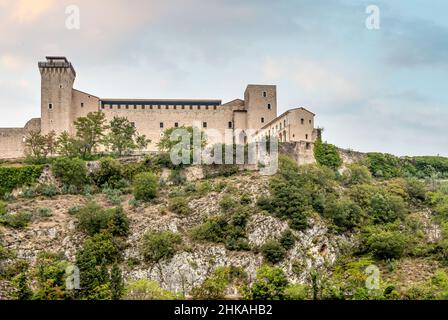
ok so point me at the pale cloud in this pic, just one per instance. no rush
(10, 62)
(26, 11)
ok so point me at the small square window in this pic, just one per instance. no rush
(302, 121)
(119, 107)
(269, 106)
(214, 108)
(82, 104)
(204, 124)
(310, 121)
(183, 107)
(167, 107)
(102, 107)
(175, 107)
(306, 136)
(206, 108)
(262, 120)
(230, 125)
(265, 94)
(159, 107)
(127, 106)
(111, 106)
(191, 107)
(176, 125)
(135, 107)
(161, 125)
(50, 106)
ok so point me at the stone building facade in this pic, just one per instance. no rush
(247, 119)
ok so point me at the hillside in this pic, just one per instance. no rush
(307, 232)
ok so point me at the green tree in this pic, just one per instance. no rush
(270, 284)
(68, 146)
(70, 171)
(39, 147)
(327, 155)
(123, 137)
(159, 245)
(22, 289)
(90, 132)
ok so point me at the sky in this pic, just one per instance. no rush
(371, 89)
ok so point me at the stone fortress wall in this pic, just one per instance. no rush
(248, 119)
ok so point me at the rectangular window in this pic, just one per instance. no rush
(302, 121)
(230, 124)
(214, 107)
(102, 106)
(50, 106)
(82, 104)
(204, 124)
(127, 106)
(161, 125)
(135, 107)
(306, 136)
(183, 107)
(262, 120)
(159, 107)
(176, 124)
(265, 94)
(119, 107)
(269, 106)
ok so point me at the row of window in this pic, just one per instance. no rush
(204, 125)
(159, 107)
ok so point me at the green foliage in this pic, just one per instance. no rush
(296, 292)
(385, 208)
(270, 284)
(47, 190)
(50, 276)
(94, 219)
(356, 174)
(145, 186)
(3, 208)
(122, 137)
(214, 287)
(15, 177)
(90, 132)
(345, 214)
(160, 245)
(43, 212)
(416, 189)
(228, 228)
(92, 260)
(180, 206)
(327, 155)
(70, 171)
(287, 239)
(38, 146)
(116, 282)
(383, 165)
(18, 220)
(145, 289)
(110, 173)
(22, 290)
(113, 196)
(273, 251)
(386, 242)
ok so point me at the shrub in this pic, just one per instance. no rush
(70, 171)
(227, 203)
(15, 177)
(416, 189)
(383, 165)
(145, 289)
(180, 206)
(47, 190)
(93, 219)
(18, 220)
(345, 214)
(3, 208)
(110, 172)
(296, 292)
(287, 239)
(327, 155)
(386, 244)
(29, 192)
(245, 199)
(176, 177)
(386, 208)
(356, 174)
(160, 245)
(44, 212)
(113, 196)
(213, 230)
(145, 186)
(214, 287)
(270, 284)
(273, 251)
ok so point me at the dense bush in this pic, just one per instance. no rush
(70, 171)
(145, 289)
(386, 242)
(94, 219)
(18, 220)
(270, 284)
(327, 155)
(180, 206)
(385, 208)
(160, 245)
(47, 190)
(287, 239)
(3, 208)
(110, 173)
(273, 251)
(214, 287)
(356, 174)
(15, 177)
(345, 214)
(145, 186)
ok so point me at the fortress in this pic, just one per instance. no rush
(249, 118)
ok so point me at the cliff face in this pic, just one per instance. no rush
(315, 247)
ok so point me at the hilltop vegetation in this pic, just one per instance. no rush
(151, 230)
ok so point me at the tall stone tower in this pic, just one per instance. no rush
(57, 78)
(261, 105)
